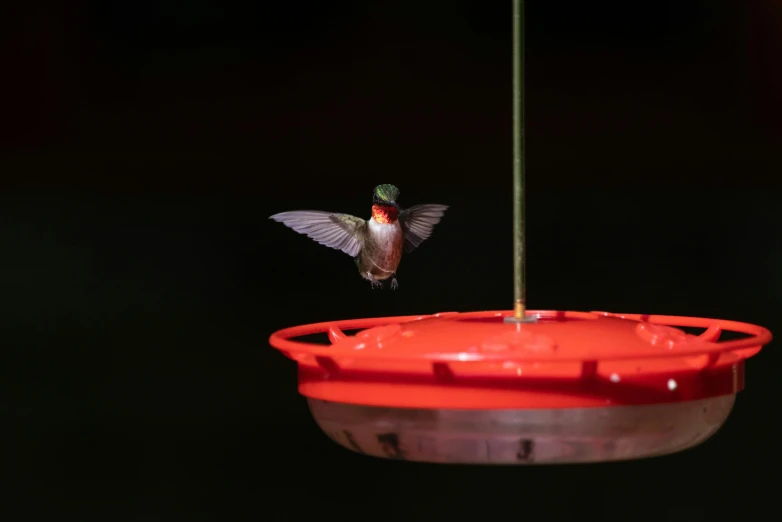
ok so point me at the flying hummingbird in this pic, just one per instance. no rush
(377, 244)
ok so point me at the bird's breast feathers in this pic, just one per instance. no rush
(385, 233)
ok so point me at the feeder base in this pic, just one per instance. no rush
(531, 436)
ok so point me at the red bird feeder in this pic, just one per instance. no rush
(569, 387)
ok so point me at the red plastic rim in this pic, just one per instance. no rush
(564, 360)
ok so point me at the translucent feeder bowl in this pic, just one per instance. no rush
(569, 387)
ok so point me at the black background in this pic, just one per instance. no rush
(145, 144)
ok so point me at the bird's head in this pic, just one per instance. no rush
(385, 195)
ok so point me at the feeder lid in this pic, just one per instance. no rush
(561, 359)
(553, 337)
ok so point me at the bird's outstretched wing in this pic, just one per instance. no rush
(340, 231)
(418, 222)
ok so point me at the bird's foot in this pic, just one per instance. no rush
(394, 284)
(374, 283)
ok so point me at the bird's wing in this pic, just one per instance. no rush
(340, 231)
(418, 222)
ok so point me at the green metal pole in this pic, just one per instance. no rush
(519, 261)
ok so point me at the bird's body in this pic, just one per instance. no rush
(382, 251)
(376, 244)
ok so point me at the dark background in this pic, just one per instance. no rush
(145, 144)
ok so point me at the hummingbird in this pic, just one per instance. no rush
(376, 245)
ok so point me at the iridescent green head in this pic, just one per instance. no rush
(385, 195)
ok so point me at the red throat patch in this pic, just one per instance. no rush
(384, 213)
